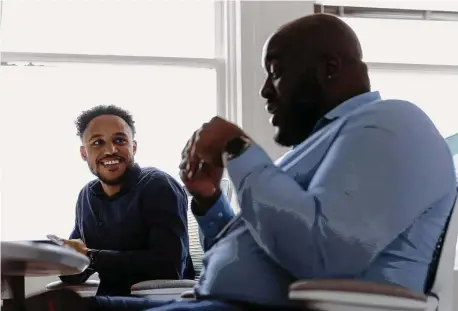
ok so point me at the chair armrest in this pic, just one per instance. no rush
(342, 294)
(189, 294)
(159, 284)
(88, 285)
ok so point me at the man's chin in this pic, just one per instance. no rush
(281, 138)
(112, 181)
(289, 138)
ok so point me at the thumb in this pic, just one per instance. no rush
(70, 242)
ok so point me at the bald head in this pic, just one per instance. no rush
(313, 64)
(322, 34)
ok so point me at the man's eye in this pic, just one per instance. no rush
(120, 140)
(274, 72)
(98, 142)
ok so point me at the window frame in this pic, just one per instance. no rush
(223, 61)
(392, 13)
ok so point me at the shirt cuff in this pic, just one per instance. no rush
(252, 159)
(216, 217)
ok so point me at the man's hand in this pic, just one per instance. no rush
(204, 187)
(201, 168)
(77, 245)
(205, 184)
(207, 145)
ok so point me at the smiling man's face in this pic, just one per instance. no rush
(108, 148)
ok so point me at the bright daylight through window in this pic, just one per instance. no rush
(44, 172)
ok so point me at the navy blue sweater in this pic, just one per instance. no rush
(141, 231)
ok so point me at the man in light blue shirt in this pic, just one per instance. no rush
(364, 192)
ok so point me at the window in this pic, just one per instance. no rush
(183, 28)
(434, 92)
(384, 40)
(156, 59)
(439, 5)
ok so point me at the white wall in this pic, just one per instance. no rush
(258, 20)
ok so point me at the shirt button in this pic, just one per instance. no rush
(220, 214)
(100, 224)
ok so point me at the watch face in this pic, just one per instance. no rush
(235, 147)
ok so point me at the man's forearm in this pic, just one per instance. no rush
(214, 220)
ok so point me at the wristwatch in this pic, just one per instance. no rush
(235, 147)
(92, 254)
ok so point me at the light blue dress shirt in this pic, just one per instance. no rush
(365, 197)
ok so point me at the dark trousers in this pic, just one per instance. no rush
(103, 303)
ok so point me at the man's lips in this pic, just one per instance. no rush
(111, 162)
(274, 111)
(271, 108)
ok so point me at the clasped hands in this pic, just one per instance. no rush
(202, 166)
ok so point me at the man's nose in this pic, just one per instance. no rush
(267, 91)
(111, 148)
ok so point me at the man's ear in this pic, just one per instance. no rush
(333, 66)
(83, 153)
(329, 68)
(134, 145)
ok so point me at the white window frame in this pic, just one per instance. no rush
(226, 61)
(391, 13)
(225, 12)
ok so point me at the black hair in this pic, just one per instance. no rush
(88, 115)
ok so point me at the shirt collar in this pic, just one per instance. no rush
(352, 104)
(346, 107)
(131, 180)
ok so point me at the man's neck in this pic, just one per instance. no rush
(343, 97)
(110, 190)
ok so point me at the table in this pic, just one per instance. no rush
(34, 258)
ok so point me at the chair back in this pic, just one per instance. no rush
(195, 248)
(442, 282)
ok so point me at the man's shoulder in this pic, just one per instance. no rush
(391, 114)
(152, 176)
(155, 182)
(388, 107)
(85, 192)
(87, 187)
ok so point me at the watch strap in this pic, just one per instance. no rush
(235, 147)
(92, 254)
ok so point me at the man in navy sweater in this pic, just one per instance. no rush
(131, 222)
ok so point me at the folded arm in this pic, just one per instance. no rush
(371, 186)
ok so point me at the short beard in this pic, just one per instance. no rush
(118, 181)
(304, 111)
